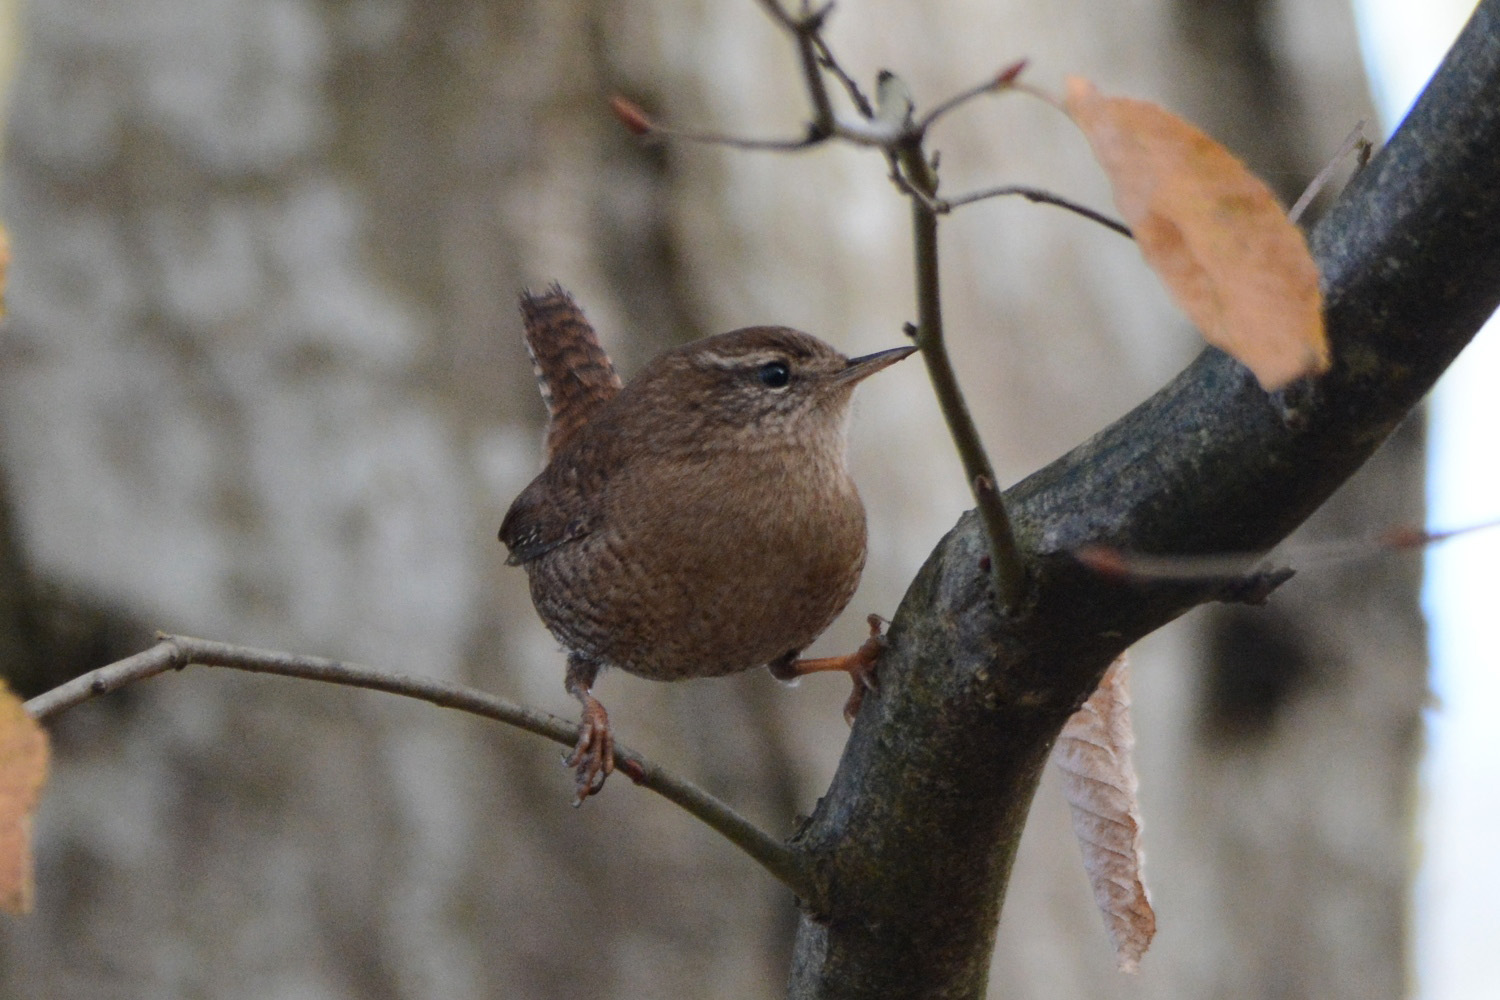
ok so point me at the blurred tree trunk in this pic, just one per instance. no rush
(262, 381)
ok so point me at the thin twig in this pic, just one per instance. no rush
(861, 132)
(808, 141)
(1041, 95)
(1153, 567)
(827, 61)
(1039, 196)
(779, 14)
(1005, 558)
(634, 118)
(174, 652)
(1355, 140)
(805, 29)
(1000, 81)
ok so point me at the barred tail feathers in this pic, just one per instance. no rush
(572, 369)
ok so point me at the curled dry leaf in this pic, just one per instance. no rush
(1093, 754)
(1213, 232)
(23, 769)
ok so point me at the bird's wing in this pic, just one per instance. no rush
(537, 523)
(572, 369)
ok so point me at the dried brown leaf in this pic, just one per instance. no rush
(1213, 232)
(1093, 754)
(23, 770)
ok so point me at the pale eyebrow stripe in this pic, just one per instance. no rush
(748, 360)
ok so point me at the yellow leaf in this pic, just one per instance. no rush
(1213, 232)
(23, 770)
(1093, 754)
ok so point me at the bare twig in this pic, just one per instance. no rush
(1005, 559)
(1040, 94)
(779, 14)
(827, 61)
(813, 52)
(1355, 140)
(1040, 196)
(174, 652)
(1148, 567)
(1000, 81)
(871, 129)
(634, 118)
(804, 29)
(1239, 579)
(808, 141)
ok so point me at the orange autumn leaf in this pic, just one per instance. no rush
(1213, 232)
(1093, 754)
(23, 769)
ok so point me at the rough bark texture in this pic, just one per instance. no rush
(262, 380)
(916, 836)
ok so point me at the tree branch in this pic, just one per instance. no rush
(913, 843)
(1000, 81)
(1005, 557)
(175, 652)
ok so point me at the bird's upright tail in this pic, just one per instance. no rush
(572, 369)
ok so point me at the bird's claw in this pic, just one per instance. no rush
(862, 668)
(593, 759)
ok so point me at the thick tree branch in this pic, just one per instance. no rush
(913, 843)
(175, 652)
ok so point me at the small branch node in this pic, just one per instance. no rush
(936, 206)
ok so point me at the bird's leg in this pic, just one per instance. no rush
(860, 665)
(593, 759)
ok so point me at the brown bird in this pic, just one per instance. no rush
(697, 522)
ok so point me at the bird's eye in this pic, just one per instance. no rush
(774, 374)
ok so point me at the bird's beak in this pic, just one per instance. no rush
(862, 368)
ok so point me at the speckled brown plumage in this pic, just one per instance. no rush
(701, 521)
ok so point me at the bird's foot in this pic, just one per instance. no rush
(860, 665)
(593, 759)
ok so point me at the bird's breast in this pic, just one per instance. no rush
(708, 567)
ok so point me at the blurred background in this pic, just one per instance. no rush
(262, 381)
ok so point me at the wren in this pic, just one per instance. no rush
(697, 522)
